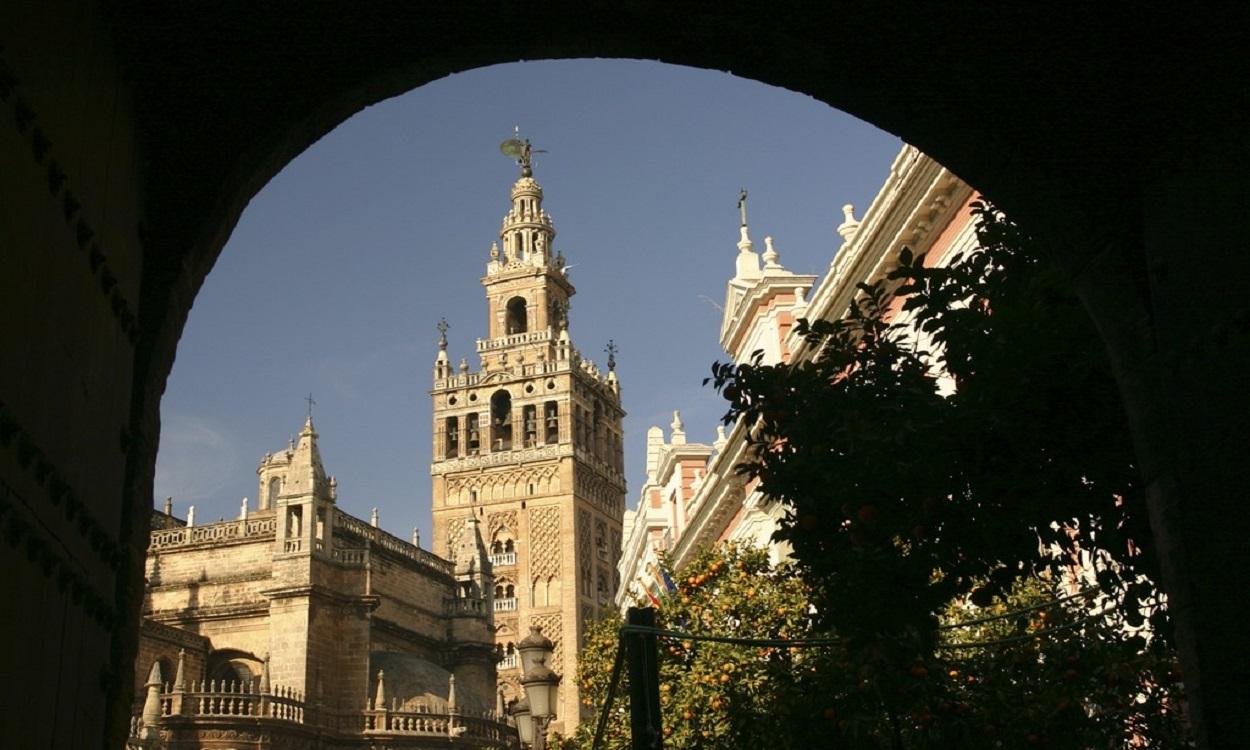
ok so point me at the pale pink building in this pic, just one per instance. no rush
(692, 497)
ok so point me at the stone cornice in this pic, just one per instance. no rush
(159, 630)
(919, 195)
(757, 296)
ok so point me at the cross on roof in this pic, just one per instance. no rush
(611, 349)
(309, 400)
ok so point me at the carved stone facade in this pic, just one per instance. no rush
(299, 625)
(530, 443)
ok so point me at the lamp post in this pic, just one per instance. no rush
(541, 689)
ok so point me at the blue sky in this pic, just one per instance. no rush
(337, 273)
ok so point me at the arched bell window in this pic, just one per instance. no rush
(516, 316)
(501, 421)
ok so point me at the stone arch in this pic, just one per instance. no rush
(501, 420)
(516, 316)
(1128, 223)
(232, 667)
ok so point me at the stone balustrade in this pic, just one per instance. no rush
(283, 706)
(502, 559)
(380, 539)
(505, 342)
(260, 527)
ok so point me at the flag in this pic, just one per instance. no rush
(668, 582)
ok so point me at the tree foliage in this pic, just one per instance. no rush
(903, 496)
(716, 695)
(1054, 675)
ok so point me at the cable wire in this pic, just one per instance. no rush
(1022, 611)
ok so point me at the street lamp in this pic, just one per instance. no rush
(524, 721)
(541, 687)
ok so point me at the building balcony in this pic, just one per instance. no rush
(505, 605)
(503, 559)
(508, 662)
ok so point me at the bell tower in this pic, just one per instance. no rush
(530, 445)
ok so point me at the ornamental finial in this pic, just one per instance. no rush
(611, 349)
(742, 207)
(442, 334)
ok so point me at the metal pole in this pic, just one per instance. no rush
(645, 722)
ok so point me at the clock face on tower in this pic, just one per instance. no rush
(530, 446)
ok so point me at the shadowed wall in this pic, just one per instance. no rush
(132, 136)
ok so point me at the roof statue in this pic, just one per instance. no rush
(742, 207)
(442, 333)
(521, 150)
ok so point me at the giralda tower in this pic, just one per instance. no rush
(530, 444)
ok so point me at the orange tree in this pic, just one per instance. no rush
(1051, 673)
(902, 499)
(1039, 669)
(718, 695)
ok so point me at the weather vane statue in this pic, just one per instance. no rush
(520, 149)
(742, 207)
(611, 349)
(442, 333)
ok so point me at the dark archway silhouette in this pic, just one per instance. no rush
(1114, 136)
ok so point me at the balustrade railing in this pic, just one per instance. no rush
(243, 700)
(503, 559)
(505, 605)
(353, 557)
(465, 606)
(380, 538)
(249, 528)
(509, 661)
(503, 342)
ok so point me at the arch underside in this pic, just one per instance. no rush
(1114, 137)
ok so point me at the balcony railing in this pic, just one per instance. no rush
(472, 606)
(282, 710)
(508, 662)
(505, 605)
(502, 559)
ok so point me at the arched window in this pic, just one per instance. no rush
(451, 437)
(516, 316)
(508, 546)
(231, 669)
(551, 418)
(275, 489)
(501, 421)
(475, 442)
(529, 422)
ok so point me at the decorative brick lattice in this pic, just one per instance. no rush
(551, 628)
(594, 487)
(544, 542)
(584, 541)
(505, 520)
(454, 528)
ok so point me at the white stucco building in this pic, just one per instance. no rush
(692, 497)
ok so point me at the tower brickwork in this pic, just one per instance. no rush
(530, 445)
